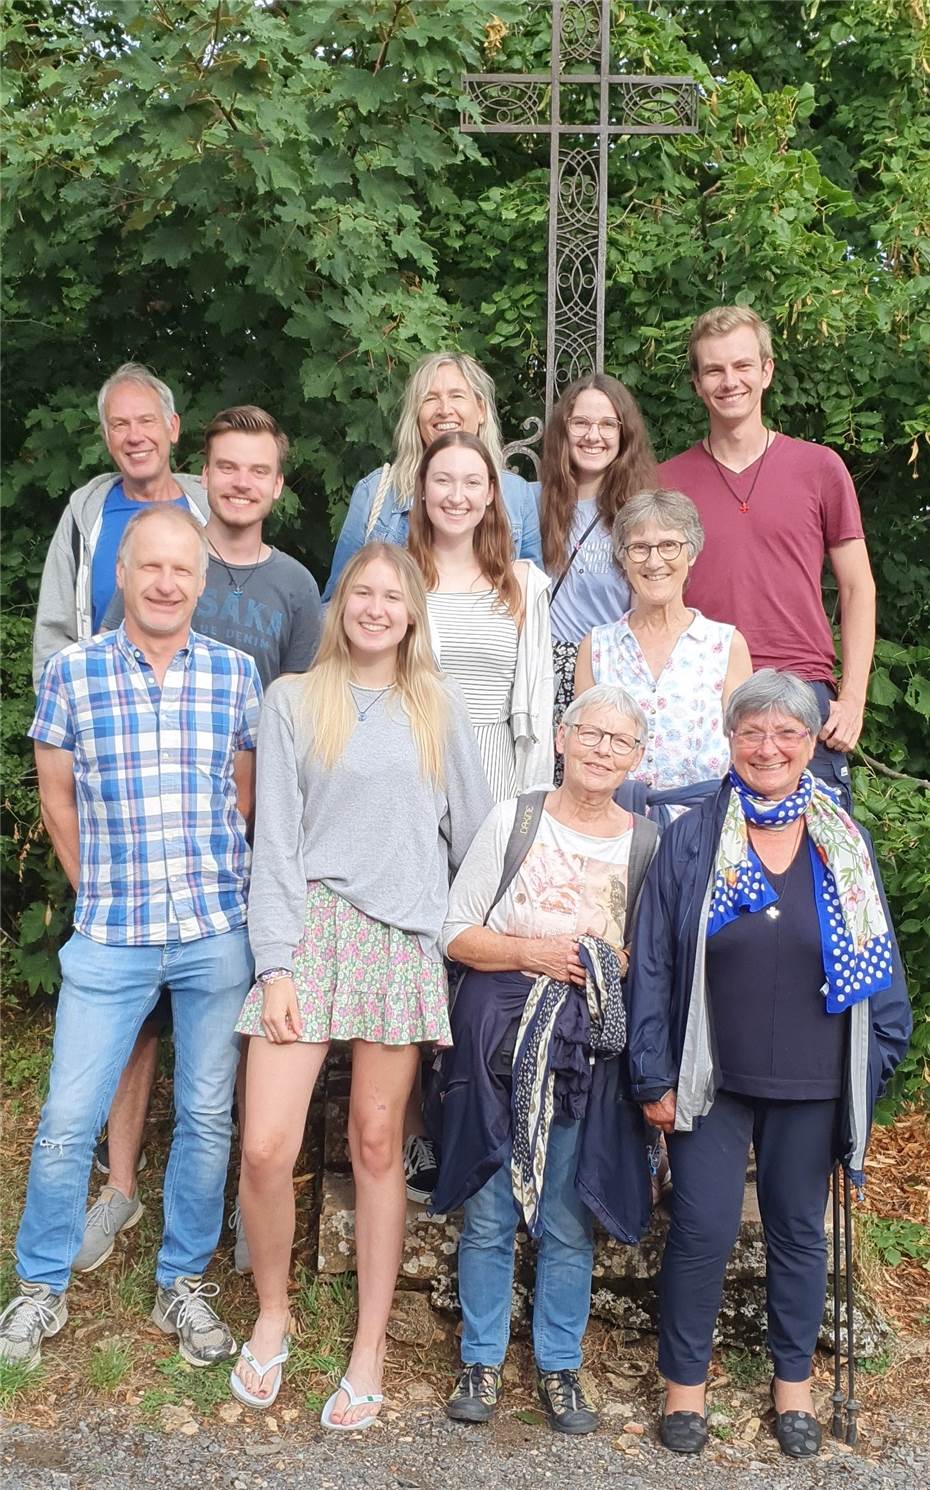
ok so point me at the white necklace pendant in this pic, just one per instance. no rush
(772, 912)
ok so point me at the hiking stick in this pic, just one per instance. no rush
(852, 1406)
(839, 1396)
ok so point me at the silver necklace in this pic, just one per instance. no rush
(364, 713)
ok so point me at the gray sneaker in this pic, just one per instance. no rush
(111, 1213)
(33, 1316)
(182, 1310)
(242, 1260)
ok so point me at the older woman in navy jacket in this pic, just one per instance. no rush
(767, 1005)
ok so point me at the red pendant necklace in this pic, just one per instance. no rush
(743, 501)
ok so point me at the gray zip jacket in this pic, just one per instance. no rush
(64, 612)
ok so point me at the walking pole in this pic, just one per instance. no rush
(839, 1396)
(852, 1406)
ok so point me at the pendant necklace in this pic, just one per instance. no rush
(364, 713)
(237, 589)
(773, 911)
(743, 501)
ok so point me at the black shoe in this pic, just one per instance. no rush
(102, 1157)
(568, 1409)
(476, 1394)
(683, 1432)
(420, 1168)
(798, 1433)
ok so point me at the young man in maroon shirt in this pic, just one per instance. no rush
(773, 508)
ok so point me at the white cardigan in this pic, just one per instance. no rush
(533, 696)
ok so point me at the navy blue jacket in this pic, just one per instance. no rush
(468, 1113)
(662, 967)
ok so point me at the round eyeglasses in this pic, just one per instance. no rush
(668, 549)
(579, 425)
(591, 737)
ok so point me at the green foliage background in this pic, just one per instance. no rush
(272, 202)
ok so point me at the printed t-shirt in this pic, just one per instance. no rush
(276, 618)
(761, 570)
(569, 883)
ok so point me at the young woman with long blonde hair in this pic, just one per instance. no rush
(489, 615)
(369, 790)
(445, 391)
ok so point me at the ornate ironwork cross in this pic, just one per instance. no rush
(511, 103)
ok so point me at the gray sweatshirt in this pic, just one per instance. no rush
(370, 827)
(64, 611)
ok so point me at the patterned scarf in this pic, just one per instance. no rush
(854, 939)
(533, 1095)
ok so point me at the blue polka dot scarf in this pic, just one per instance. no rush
(857, 953)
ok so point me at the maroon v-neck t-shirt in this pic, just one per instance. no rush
(761, 569)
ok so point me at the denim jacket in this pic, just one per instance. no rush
(391, 524)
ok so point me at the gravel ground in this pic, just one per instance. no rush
(424, 1451)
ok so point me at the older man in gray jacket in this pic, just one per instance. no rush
(139, 426)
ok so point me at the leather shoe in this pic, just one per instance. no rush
(683, 1432)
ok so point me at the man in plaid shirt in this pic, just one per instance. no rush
(145, 741)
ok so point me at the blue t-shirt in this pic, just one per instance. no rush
(117, 510)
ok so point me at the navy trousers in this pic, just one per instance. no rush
(794, 1144)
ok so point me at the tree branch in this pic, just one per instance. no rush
(884, 770)
(392, 27)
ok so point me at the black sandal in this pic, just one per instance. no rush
(798, 1433)
(683, 1432)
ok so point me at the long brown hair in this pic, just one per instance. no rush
(633, 468)
(331, 711)
(492, 540)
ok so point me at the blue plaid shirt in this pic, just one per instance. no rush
(163, 851)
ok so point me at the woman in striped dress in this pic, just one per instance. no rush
(489, 615)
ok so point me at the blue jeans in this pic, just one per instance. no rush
(563, 1265)
(106, 993)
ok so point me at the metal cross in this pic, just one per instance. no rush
(510, 103)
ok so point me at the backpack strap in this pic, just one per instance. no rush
(642, 852)
(525, 827)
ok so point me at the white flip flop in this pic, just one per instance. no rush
(237, 1386)
(354, 1401)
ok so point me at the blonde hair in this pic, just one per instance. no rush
(725, 318)
(492, 539)
(420, 688)
(408, 445)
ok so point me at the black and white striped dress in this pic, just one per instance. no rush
(478, 648)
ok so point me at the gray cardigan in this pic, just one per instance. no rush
(370, 827)
(64, 611)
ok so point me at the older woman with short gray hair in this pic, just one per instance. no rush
(767, 1006)
(679, 666)
(546, 891)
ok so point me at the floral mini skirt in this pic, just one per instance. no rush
(360, 979)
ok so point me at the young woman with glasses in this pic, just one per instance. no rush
(596, 454)
(679, 666)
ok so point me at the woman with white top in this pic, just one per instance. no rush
(446, 391)
(597, 453)
(679, 666)
(489, 616)
(369, 790)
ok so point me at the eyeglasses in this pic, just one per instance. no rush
(669, 549)
(607, 427)
(788, 739)
(591, 737)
